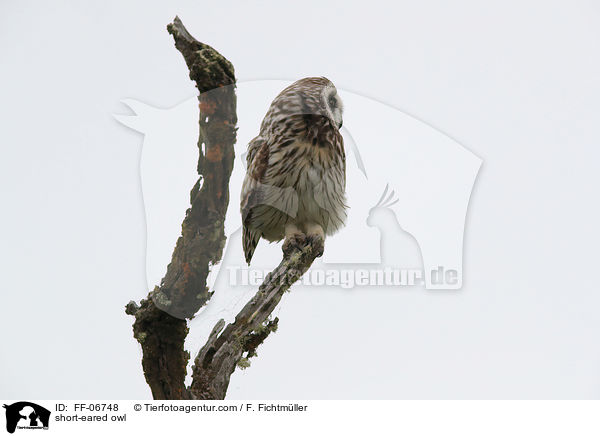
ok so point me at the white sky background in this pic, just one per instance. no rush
(516, 83)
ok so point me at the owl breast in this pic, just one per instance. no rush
(311, 189)
(321, 192)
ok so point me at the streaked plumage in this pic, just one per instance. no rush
(296, 168)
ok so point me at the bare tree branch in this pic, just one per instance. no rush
(161, 319)
(218, 358)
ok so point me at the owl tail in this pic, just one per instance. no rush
(250, 241)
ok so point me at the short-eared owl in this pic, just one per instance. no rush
(296, 169)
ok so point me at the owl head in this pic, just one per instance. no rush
(311, 96)
(332, 103)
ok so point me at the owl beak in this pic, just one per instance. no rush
(340, 124)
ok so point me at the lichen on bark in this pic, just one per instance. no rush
(161, 318)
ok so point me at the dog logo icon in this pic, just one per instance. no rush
(26, 415)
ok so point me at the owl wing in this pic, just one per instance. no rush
(253, 147)
(257, 162)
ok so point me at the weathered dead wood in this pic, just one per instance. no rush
(231, 346)
(161, 319)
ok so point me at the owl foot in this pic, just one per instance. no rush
(317, 242)
(293, 242)
(315, 236)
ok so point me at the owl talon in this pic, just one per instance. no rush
(318, 244)
(294, 242)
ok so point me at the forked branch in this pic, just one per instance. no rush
(161, 319)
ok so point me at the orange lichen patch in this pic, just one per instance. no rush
(214, 154)
(187, 271)
(208, 107)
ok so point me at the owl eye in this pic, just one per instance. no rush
(332, 101)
